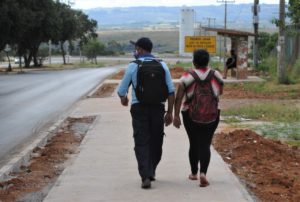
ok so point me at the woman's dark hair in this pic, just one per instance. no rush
(201, 58)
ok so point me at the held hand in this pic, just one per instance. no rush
(177, 121)
(124, 101)
(168, 119)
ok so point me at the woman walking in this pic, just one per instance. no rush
(200, 88)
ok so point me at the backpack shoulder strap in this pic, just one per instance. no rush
(138, 62)
(210, 75)
(194, 75)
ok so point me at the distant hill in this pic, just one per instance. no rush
(239, 16)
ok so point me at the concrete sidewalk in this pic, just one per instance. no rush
(106, 168)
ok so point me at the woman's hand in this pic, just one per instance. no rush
(176, 121)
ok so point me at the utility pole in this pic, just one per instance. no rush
(209, 19)
(255, 10)
(225, 24)
(281, 43)
(50, 51)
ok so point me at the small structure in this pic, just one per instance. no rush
(239, 42)
(187, 22)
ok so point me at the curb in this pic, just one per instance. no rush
(24, 157)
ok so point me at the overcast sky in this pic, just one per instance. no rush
(86, 4)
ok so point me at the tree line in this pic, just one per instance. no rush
(25, 25)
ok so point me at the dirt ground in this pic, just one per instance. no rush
(270, 169)
(32, 182)
(105, 90)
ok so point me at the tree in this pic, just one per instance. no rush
(93, 48)
(267, 44)
(86, 28)
(66, 24)
(33, 25)
(8, 9)
(113, 47)
(25, 25)
(73, 24)
(294, 12)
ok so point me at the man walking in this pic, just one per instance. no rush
(152, 86)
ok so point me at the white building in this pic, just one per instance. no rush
(187, 22)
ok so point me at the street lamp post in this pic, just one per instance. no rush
(6, 50)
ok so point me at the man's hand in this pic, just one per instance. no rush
(177, 121)
(168, 118)
(124, 101)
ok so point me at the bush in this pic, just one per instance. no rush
(295, 72)
(269, 65)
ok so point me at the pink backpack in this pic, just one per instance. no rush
(203, 105)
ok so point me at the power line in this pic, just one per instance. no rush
(209, 20)
(225, 17)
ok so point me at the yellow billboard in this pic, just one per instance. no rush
(200, 42)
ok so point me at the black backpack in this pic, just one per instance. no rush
(151, 85)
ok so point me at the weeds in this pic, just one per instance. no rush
(184, 65)
(286, 131)
(187, 65)
(267, 112)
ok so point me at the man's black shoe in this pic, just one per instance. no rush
(146, 183)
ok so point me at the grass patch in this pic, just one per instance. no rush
(293, 143)
(217, 65)
(188, 65)
(74, 65)
(232, 120)
(283, 120)
(184, 65)
(85, 64)
(269, 65)
(266, 112)
(286, 131)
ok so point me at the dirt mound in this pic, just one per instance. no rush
(270, 169)
(238, 91)
(106, 90)
(118, 75)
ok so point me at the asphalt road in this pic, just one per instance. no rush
(35, 100)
